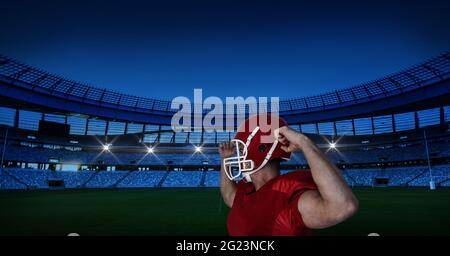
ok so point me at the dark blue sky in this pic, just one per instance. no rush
(229, 48)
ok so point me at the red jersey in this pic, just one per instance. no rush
(272, 210)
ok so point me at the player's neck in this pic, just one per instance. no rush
(262, 176)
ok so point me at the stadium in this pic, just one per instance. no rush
(85, 159)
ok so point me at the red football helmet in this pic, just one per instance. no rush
(255, 145)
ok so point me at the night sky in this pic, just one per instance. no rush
(229, 48)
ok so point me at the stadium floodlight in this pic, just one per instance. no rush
(332, 145)
(198, 149)
(150, 150)
(106, 147)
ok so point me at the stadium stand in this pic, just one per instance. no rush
(142, 179)
(9, 182)
(16, 178)
(212, 179)
(105, 179)
(183, 179)
(372, 155)
(386, 132)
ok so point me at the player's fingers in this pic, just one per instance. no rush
(283, 140)
(282, 131)
(276, 133)
(288, 133)
(286, 148)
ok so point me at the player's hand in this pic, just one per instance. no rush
(226, 149)
(290, 139)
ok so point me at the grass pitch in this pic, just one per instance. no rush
(387, 211)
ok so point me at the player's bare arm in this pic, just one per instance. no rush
(227, 186)
(334, 201)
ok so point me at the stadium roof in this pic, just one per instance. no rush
(424, 85)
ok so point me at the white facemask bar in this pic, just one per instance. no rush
(245, 167)
(266, 160)
(238, 160)
(241, 162)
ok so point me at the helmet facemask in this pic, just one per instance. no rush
(255, 144)
(239, 162)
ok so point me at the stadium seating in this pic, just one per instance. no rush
(212, 179)
(27, 154)
(439, 173)
(16, 178)
(141, 179)
(33, 178)
(72, 179)
(183, 179)
(105, 179)
(9, 182)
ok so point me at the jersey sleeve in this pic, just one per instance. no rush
(301, 182)
(306, 182)
(290, 221)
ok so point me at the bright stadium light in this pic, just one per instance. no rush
(106, 147)
(332, 145)
(150, 150)
(198, 149)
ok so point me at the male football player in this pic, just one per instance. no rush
(264, 202)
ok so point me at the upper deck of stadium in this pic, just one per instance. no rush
(423, 86)
(379, 117)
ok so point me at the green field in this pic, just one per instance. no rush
(387, 211)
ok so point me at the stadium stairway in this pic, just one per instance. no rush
(160, 183)
(347, 174)
(121, 179)
(202, 180)
(88, 179)
(12, 176)
(440, 183)
(415, 177)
